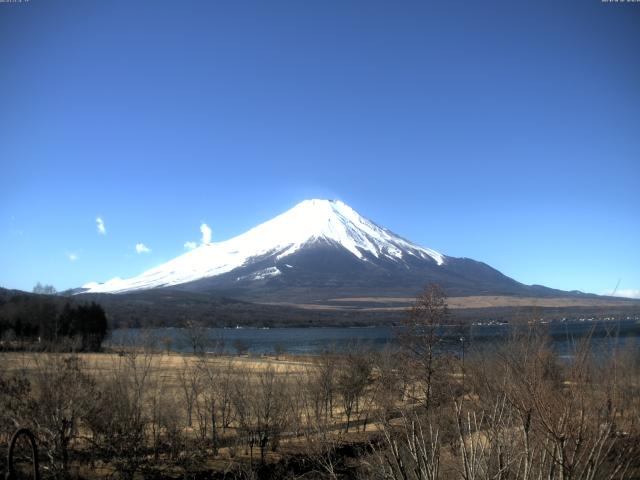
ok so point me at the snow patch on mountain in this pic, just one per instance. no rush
(308, 222)
(261, 274)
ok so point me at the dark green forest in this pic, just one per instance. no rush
(44, 321)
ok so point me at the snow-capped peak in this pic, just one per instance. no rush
(308, 222)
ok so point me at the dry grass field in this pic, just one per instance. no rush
(162, 364)
(180, 392)
(488, 301)
(137, 414)
(470, 302)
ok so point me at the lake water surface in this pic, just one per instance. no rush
(564, 335)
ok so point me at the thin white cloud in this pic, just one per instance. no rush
(72, 257)
(142, 248)
(628, 293)
(206, 233)
(100, 224)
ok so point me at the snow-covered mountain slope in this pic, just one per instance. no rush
(267, 246)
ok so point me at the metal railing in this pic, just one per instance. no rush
(11, 473)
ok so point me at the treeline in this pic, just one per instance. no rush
(175, 308)
(43, 321)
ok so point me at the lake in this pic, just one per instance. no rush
(564, 335)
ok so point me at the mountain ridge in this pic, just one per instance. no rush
(307, 223)
(317, 250)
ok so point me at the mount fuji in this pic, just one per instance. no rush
(318, 250)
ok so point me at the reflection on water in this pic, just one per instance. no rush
(564, 335)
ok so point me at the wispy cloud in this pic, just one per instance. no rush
(100, 224)
(190, 245)
(628, 293)
(142, 248)
(206, 233)
(72, 256)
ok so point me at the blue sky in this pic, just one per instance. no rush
(507, 132)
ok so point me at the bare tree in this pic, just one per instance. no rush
(196, 336)
(15, 403)
(419, 336)
(279, 349)
(261, 409)
(189, 379)
(162, 417)
(63, 393)
(120, 419)
(353, 378)
(547, 419)
(391, 380)
(241, 346)
(326, 381)
(409, 450)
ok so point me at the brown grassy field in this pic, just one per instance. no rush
(487, 301)
(140, 413)
(166, 365)
(174, 376)
(470, 302)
